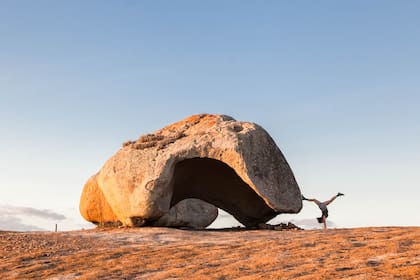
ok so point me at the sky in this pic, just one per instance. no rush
(335, 83)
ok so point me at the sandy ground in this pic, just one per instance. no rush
(161, 253)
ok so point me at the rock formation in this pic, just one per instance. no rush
(232, 165)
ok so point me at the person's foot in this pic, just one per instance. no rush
(304, 198)
(340, 194)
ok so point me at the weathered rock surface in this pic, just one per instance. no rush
(235, 166)
(162, 253)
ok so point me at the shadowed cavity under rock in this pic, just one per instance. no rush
(216, 183)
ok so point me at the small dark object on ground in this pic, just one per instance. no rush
(281, 226)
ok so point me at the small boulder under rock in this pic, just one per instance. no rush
(190, 213)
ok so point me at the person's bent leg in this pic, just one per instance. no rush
(330, 200)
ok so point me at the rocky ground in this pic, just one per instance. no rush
(161, 253)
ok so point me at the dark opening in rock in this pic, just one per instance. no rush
(215, 182)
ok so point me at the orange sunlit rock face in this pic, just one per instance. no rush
(206, 120)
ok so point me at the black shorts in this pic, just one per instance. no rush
(325, 213)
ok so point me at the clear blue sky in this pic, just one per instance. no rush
(335, 83)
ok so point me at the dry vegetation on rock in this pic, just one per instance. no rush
(162, 253)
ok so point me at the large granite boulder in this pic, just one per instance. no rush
(235, 166)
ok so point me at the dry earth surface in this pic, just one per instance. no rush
(162, 253)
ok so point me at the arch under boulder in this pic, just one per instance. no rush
(217, 183)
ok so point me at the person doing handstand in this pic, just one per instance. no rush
(323, 207)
